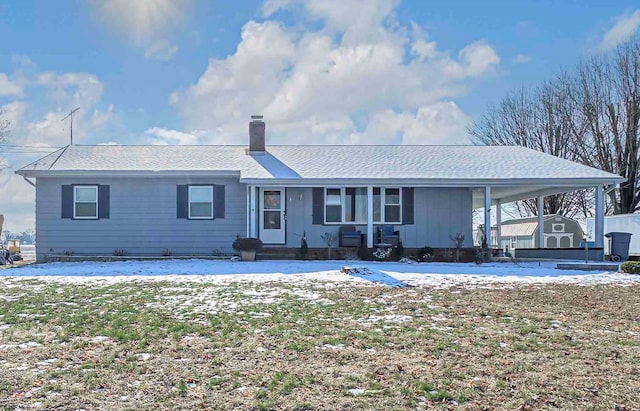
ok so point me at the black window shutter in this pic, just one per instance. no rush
(67, 201)
(218, 201)
(103, 201)
(318, 205)
(183, 201)
(407, 205)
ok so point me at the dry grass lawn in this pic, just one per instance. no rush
(146, 345)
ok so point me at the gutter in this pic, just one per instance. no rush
(437, 182)
(127, 173)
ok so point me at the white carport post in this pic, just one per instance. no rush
(541, 222)
(599, 217)
(499, 224)
(487, 216)
(370, 217)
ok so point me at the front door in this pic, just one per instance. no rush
(272, 215)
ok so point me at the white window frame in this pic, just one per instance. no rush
(342, 201)
(75, 201)
(383, 204)
(343, 211)
(210, 187)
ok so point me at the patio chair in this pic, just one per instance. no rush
(349, 237)
(387, 235)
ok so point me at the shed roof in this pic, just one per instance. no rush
(517, 230)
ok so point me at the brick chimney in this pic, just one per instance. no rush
(257, 135)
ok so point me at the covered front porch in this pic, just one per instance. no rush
(281, 215)
(421, 215)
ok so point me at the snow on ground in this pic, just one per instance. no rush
(395, 274)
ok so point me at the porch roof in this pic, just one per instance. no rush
(514, 171)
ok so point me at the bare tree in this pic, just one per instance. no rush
(606, 95)
(536, 118)
(590, 115)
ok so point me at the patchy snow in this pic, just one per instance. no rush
(440, 275)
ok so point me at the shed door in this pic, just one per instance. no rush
(272, 215)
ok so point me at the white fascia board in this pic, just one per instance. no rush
(128, 173)
(412, 182)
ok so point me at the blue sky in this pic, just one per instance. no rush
(322, 71)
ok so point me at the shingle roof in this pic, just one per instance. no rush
(516, 230)
(324, 162)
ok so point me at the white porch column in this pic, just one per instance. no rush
(541, 222)
(370, 232)
(252, 211)
(599, 218)
(487, 216)
(248, 234)
(499, 225)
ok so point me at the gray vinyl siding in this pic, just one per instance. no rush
(142, 221)
(439, 214)
(521, 242)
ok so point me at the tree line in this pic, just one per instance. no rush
(25, 237)
(589, 114)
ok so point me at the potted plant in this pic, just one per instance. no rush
(247, 247)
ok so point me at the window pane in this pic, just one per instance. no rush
(392, 214)
(361, 204)
(355, 202)
(200, 210)
(377, 207)
(86, 194)
(200, 194)
(86, 210)
(272, 220)
(349, 204)
(334, 214)
(392, 196)
(333, 196)
(272, 200)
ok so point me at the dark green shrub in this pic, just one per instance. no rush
(398, 252)
(246, 244)
(630, 267)
(363, 252)
(425, 254)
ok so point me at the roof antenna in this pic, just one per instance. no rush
(71, 115)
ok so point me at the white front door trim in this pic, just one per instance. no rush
(272, 215)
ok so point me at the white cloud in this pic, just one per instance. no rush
(625, 26)
(521, 59)
(36, 121)
(439, 123)
(163, 136)
(360, 68)
(18, 199)
(354, 18)
(141, 21)
(8, 88)
(161, 50)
